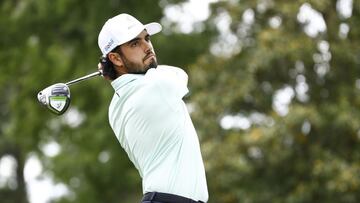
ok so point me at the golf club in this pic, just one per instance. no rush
(57, 97)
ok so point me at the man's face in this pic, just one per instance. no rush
(138, 55)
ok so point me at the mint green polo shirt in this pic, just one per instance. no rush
(152, 124)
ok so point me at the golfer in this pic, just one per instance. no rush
(148, 115)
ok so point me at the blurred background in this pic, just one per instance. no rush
(275, 97)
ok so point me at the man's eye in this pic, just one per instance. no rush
(134, 44)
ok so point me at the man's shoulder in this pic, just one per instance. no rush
(168, 71)
(169, 68)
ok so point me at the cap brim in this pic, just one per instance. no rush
(153, 28)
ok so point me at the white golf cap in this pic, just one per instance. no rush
(121, 29)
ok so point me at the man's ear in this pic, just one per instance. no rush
(115, 59)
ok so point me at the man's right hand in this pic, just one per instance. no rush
(100, 68)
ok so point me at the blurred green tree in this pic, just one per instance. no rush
(276, 101)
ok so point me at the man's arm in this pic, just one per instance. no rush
(174, 79)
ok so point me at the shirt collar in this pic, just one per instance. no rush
(124, 79)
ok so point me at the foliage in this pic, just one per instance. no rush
(310, 153)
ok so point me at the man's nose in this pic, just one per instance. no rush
(147, 46)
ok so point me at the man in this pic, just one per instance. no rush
(148, 115)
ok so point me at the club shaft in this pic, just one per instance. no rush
(97, 73)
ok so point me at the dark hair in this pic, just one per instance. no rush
(108, 67)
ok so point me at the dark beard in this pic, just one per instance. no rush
(153, 64)
(136, 69)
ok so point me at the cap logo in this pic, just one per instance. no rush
(111, 42)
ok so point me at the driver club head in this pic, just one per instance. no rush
(55, 97)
